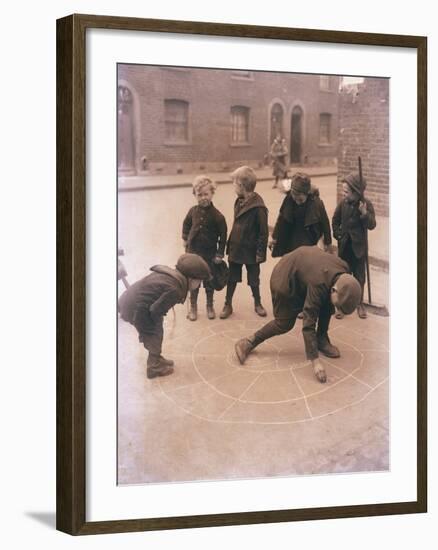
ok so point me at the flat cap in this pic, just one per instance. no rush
(349, 293)
(193, 267)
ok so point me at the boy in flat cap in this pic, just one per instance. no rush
(204, 232)
(302, 219)
(353, 217)
(145, 303)
(312, 281)
(248, 239)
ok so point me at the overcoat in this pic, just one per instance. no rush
(205, 231)
(348, 223)
(302, 281)
(316, 224)
(248, 239)
(145, 302)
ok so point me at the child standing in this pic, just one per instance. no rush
(278, 154)
(302, 219)
(204, 233)
(248, 239)
(353, 217)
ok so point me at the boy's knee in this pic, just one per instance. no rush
(284, 325)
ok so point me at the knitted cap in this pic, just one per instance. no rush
(349, 293)
(193, 267)
(353, 180)
(301, 183)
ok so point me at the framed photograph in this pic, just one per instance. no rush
(241, 274)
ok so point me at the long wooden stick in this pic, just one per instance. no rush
(367, 264)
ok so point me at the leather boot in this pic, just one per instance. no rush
(157, 367)
(259, 309)
(361, 311)
(166, 362)
(327, 348)
(193, 312)
(226, 312)
(211, 314)
(243, 348)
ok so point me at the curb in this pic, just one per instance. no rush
(219, 182)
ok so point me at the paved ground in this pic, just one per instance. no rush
(215, 419)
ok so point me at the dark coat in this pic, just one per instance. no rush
(302, 281)
(145, 302)
(316, 224)
(205, 231)
(248, 239)
(348, 223)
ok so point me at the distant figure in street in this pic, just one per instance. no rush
(204, 232)
(278, 154)
(248, 239)
(352, 219)
(302, 219)
(145, 303)
(312, 281)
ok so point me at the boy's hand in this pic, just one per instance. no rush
(363, 208)
(319, 371)
(217, 259)
(272, 243)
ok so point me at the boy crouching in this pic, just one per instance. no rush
(145, 303)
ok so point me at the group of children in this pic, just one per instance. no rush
(204, 233)
(301, 223)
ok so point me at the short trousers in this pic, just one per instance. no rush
(252, 273)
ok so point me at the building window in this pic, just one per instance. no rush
(239, 124)
(324, 82)
(176, 120)
(324, 128)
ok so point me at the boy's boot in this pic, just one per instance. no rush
(327, 348)
(361, 311)
(157, 367)
(227, 311)
(259, 309)
(193, 311)
(243, 348)
(210, 309)
(228, 308)
(166, 362)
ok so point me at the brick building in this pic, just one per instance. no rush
(185, 120)
(364, 132)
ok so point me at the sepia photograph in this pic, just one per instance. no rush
(253, 274)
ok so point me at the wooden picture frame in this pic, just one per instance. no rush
(71, 273)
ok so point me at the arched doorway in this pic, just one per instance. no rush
(276, 122)
(126, 140)
(296, 134)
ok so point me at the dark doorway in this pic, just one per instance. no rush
(126, 144)
(296, 133)
(276, 122)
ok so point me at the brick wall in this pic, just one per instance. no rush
(210, 94)
(364, 132)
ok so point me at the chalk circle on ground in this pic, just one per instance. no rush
(276, 385)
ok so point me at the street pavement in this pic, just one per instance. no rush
(216, 419)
